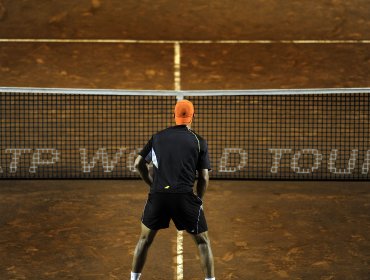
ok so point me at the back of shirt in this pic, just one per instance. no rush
(176, 152)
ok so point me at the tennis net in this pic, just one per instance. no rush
(321, 134)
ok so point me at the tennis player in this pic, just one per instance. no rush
(176, 153)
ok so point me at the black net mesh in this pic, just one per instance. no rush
(287, 136)
(306, 136)
(77, 136)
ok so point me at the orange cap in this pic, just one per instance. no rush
(184, 111)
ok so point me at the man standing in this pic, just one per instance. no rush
(176, 153)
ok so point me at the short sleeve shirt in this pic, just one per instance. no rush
(176, 153)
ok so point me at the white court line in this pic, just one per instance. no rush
(129, 41)
(177, 86)
(177, 67)
(179, 257)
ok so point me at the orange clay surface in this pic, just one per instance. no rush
(85, 229)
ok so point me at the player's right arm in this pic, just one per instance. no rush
(141, 162)
(202, 184)
(142, 167)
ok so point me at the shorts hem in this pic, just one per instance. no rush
(154, 228)
(196, 233)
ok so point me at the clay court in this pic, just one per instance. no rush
(88, 229)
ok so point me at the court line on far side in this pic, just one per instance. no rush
(132, 41)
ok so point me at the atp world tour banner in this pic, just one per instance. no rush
(104, 162)
(272, 134)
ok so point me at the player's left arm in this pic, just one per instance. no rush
(203, 166)
(142, 167)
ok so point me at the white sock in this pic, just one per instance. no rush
(135, 276)
(214, 278)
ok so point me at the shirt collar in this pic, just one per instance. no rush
(180, 126)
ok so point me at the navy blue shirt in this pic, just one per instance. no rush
(177, 153)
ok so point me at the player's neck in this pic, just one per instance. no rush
(188, 126)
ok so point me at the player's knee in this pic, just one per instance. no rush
(146, 240)
(201, 239)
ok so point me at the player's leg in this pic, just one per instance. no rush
(153, 219)
(187, 210)
(206, 257)
(146, 238)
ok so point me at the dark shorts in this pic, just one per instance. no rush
(185, 209)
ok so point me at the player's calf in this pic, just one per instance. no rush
(205, 252)
(146, 238)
